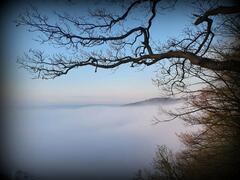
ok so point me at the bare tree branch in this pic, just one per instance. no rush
(188, 52)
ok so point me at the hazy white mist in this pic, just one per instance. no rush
(100, 140)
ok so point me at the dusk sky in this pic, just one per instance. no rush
(83, 85)
(80, 100)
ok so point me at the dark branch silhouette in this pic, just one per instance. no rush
(191, 50)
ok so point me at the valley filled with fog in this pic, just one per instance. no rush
(102, 141)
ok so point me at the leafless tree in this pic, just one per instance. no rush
(124, 45)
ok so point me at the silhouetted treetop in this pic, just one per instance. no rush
(110, 43)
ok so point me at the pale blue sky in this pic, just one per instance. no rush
(83, 85)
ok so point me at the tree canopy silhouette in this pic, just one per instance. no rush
(110, 42)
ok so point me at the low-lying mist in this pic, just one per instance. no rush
(95, 141)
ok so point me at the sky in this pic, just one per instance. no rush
(83, 85)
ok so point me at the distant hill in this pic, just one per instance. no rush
(154, 101)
